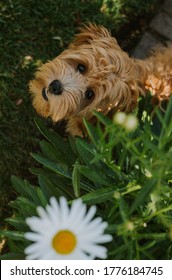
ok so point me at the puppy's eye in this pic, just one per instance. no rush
(89, 94)
(81, 68)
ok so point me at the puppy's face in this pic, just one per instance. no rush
(93, 73)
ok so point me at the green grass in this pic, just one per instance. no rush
(31, 33)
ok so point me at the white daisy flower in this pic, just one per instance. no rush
(62, 233)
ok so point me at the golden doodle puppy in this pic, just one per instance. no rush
(94, 73)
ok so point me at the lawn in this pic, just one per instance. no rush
(31, 33)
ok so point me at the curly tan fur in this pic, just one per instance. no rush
(116, 79)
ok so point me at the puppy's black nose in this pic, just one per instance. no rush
(55, 87)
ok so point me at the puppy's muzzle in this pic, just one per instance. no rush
(55, 87)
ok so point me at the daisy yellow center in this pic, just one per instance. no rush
(64, 242)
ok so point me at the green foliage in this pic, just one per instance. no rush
(120, 10)
(33, 32)
(128, 175)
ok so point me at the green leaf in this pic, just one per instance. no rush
(102, 118)
(93, 175)
(32, 191)
(15, 235)
(155, 236)
(51, 165)
(72, 144)
(53, 153)
(12, 256)
(124, 208)
(143, 194)
(52, 187)
(24, 188)
(61, 145)
(46, 186)
(111, 229)
(26, 206)
(92, 132)
(120, 249)
(166, 125)
(147, 246)
(168, 114)
(17, 223)
(76, 180)
(99, 196)
(130, 189)
(85, 150)
(19, 186)
(43, 199)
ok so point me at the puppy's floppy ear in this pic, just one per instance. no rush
(90, 32)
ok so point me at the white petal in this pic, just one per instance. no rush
(97, 222)
(79, 255)
(42, 213)
(76, 255)
(95, 238)
(80, 222)
(33, 236)
(104, 238)
(90, 214)
(64, 209)
(54, 210)
(50, 255)
(38, 225)
(92, 231)
(32, 256)
(37, 247)
(77, 212)
(54, 216)
(54, 204)
(96, 250)
(75, 208)
(91, 226)
(96, 227)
